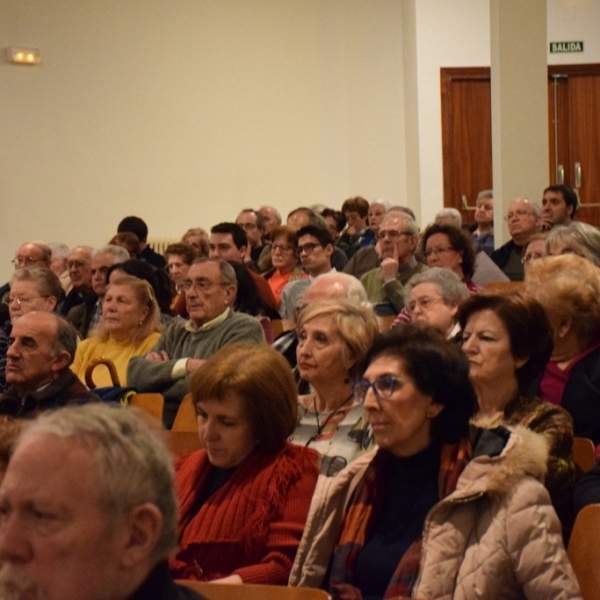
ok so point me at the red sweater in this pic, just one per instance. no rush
(252, 525)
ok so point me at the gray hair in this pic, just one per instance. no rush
(352, 289)
(449, 214)
(228, 276)
(119, 253)
(451, 288)
(59, 251)
(409, 224)
(46, 282)
(385, 202)
(587, 237)
(133, 465)
(486, 194)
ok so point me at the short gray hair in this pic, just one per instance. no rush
(410, 224)
(46, 282)
(133, 465)
(119, 253)
(59, 251)
(587, 237)
(449, 214)
(228, 276)
(451, 288)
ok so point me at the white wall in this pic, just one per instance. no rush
(185, 111)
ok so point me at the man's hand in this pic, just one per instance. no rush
(546, 222)
(161, 356)
(389, 267)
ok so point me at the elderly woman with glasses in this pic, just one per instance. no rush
(285, 261)
(31, 289)
(577, 238)
(429, 514)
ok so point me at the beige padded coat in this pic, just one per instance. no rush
(496, 537)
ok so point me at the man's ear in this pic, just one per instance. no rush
(243, 250)
(230, 292)
(143, 527)
(61, 362)
(329, 249)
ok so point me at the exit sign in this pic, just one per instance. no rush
(566, 46)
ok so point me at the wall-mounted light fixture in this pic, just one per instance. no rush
(23, 56)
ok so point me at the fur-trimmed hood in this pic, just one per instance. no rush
(501, 458)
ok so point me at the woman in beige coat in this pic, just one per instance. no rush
(473, 522)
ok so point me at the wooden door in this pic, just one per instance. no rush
(574, 134)
(466, 136)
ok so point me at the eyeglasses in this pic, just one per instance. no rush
(531, 257)
(248, 226)
(281, 248)
(393, 235)
(383, 387)
(308, 248)
(24, 260)
(77, 264)
(425, 303)
(439, 250)
(201, 285)
(518, 214)
(23, 300)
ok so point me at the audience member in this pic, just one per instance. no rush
(253, 224)
(29, 254)
(483, 235)
(31, 289)
(508, 341)
(524, 221)
(398, 238)
(183, 348)
(80, 272)
(248, 299)
(130, 327)
(333, 336)
(86, 316)
(535, 248)
(314, 248)
(335, 222)
(284, 258)
(425, 515)
(130, 242)
(433, 297)
(58, 264)
(449, 216)
(271, 217)
(89, 510)
(138, 227)
(577, 238)
(179, 259)
(244, 498)
(42, 346)
(197, 238)
(568, 287)
(357, 234)
(559, 205)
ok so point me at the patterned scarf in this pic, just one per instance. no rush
(355, 527)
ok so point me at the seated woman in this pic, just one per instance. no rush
(483, 234)
(333, 335)
(508, 341)
(568, 287)
(425, 515)
(197, 238)
(245, 497)
(534, 249)
(577, 238)
(285, 261)
(179, 258)
(31, 289)
(130, 326)
(432, 298)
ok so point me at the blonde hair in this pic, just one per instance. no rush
(567, 285)
(144, 295)
(356, 325)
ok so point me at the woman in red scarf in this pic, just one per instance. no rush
(244, 498)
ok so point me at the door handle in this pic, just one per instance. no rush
(464, 203)
(577, 175)
(560, 174)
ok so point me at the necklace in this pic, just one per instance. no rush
(321, 426)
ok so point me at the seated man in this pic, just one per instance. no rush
(138, 227)
(210, 289)
(252, 222)
(58, 264)
(42, 346)
(89, 510)
(80, 272)
(398, 239)
(559, 206)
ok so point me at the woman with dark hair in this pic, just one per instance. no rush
(179, 258)
(429, 514)
(244, 498)
(248, 299)
(357, 233)
(508, 341)
(157, 278)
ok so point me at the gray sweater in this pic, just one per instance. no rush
(178, 342)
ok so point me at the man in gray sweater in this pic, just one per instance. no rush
(210, 289)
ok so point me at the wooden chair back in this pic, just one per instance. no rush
(384, 323)
(153, 404)
(584, 551)
(505, 286)
(584, 453)
(185, 419)
(218, 591)
(112, 371)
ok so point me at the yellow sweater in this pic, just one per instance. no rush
(118, 352)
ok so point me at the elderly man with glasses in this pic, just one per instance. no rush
(524, 221)
(398, 239)
(210, 289)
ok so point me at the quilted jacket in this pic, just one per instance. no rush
(496, 537)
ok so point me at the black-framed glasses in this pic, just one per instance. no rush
(281, 248)
(392, 234)
(383, 387)
(308, 248)
(200, 285)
